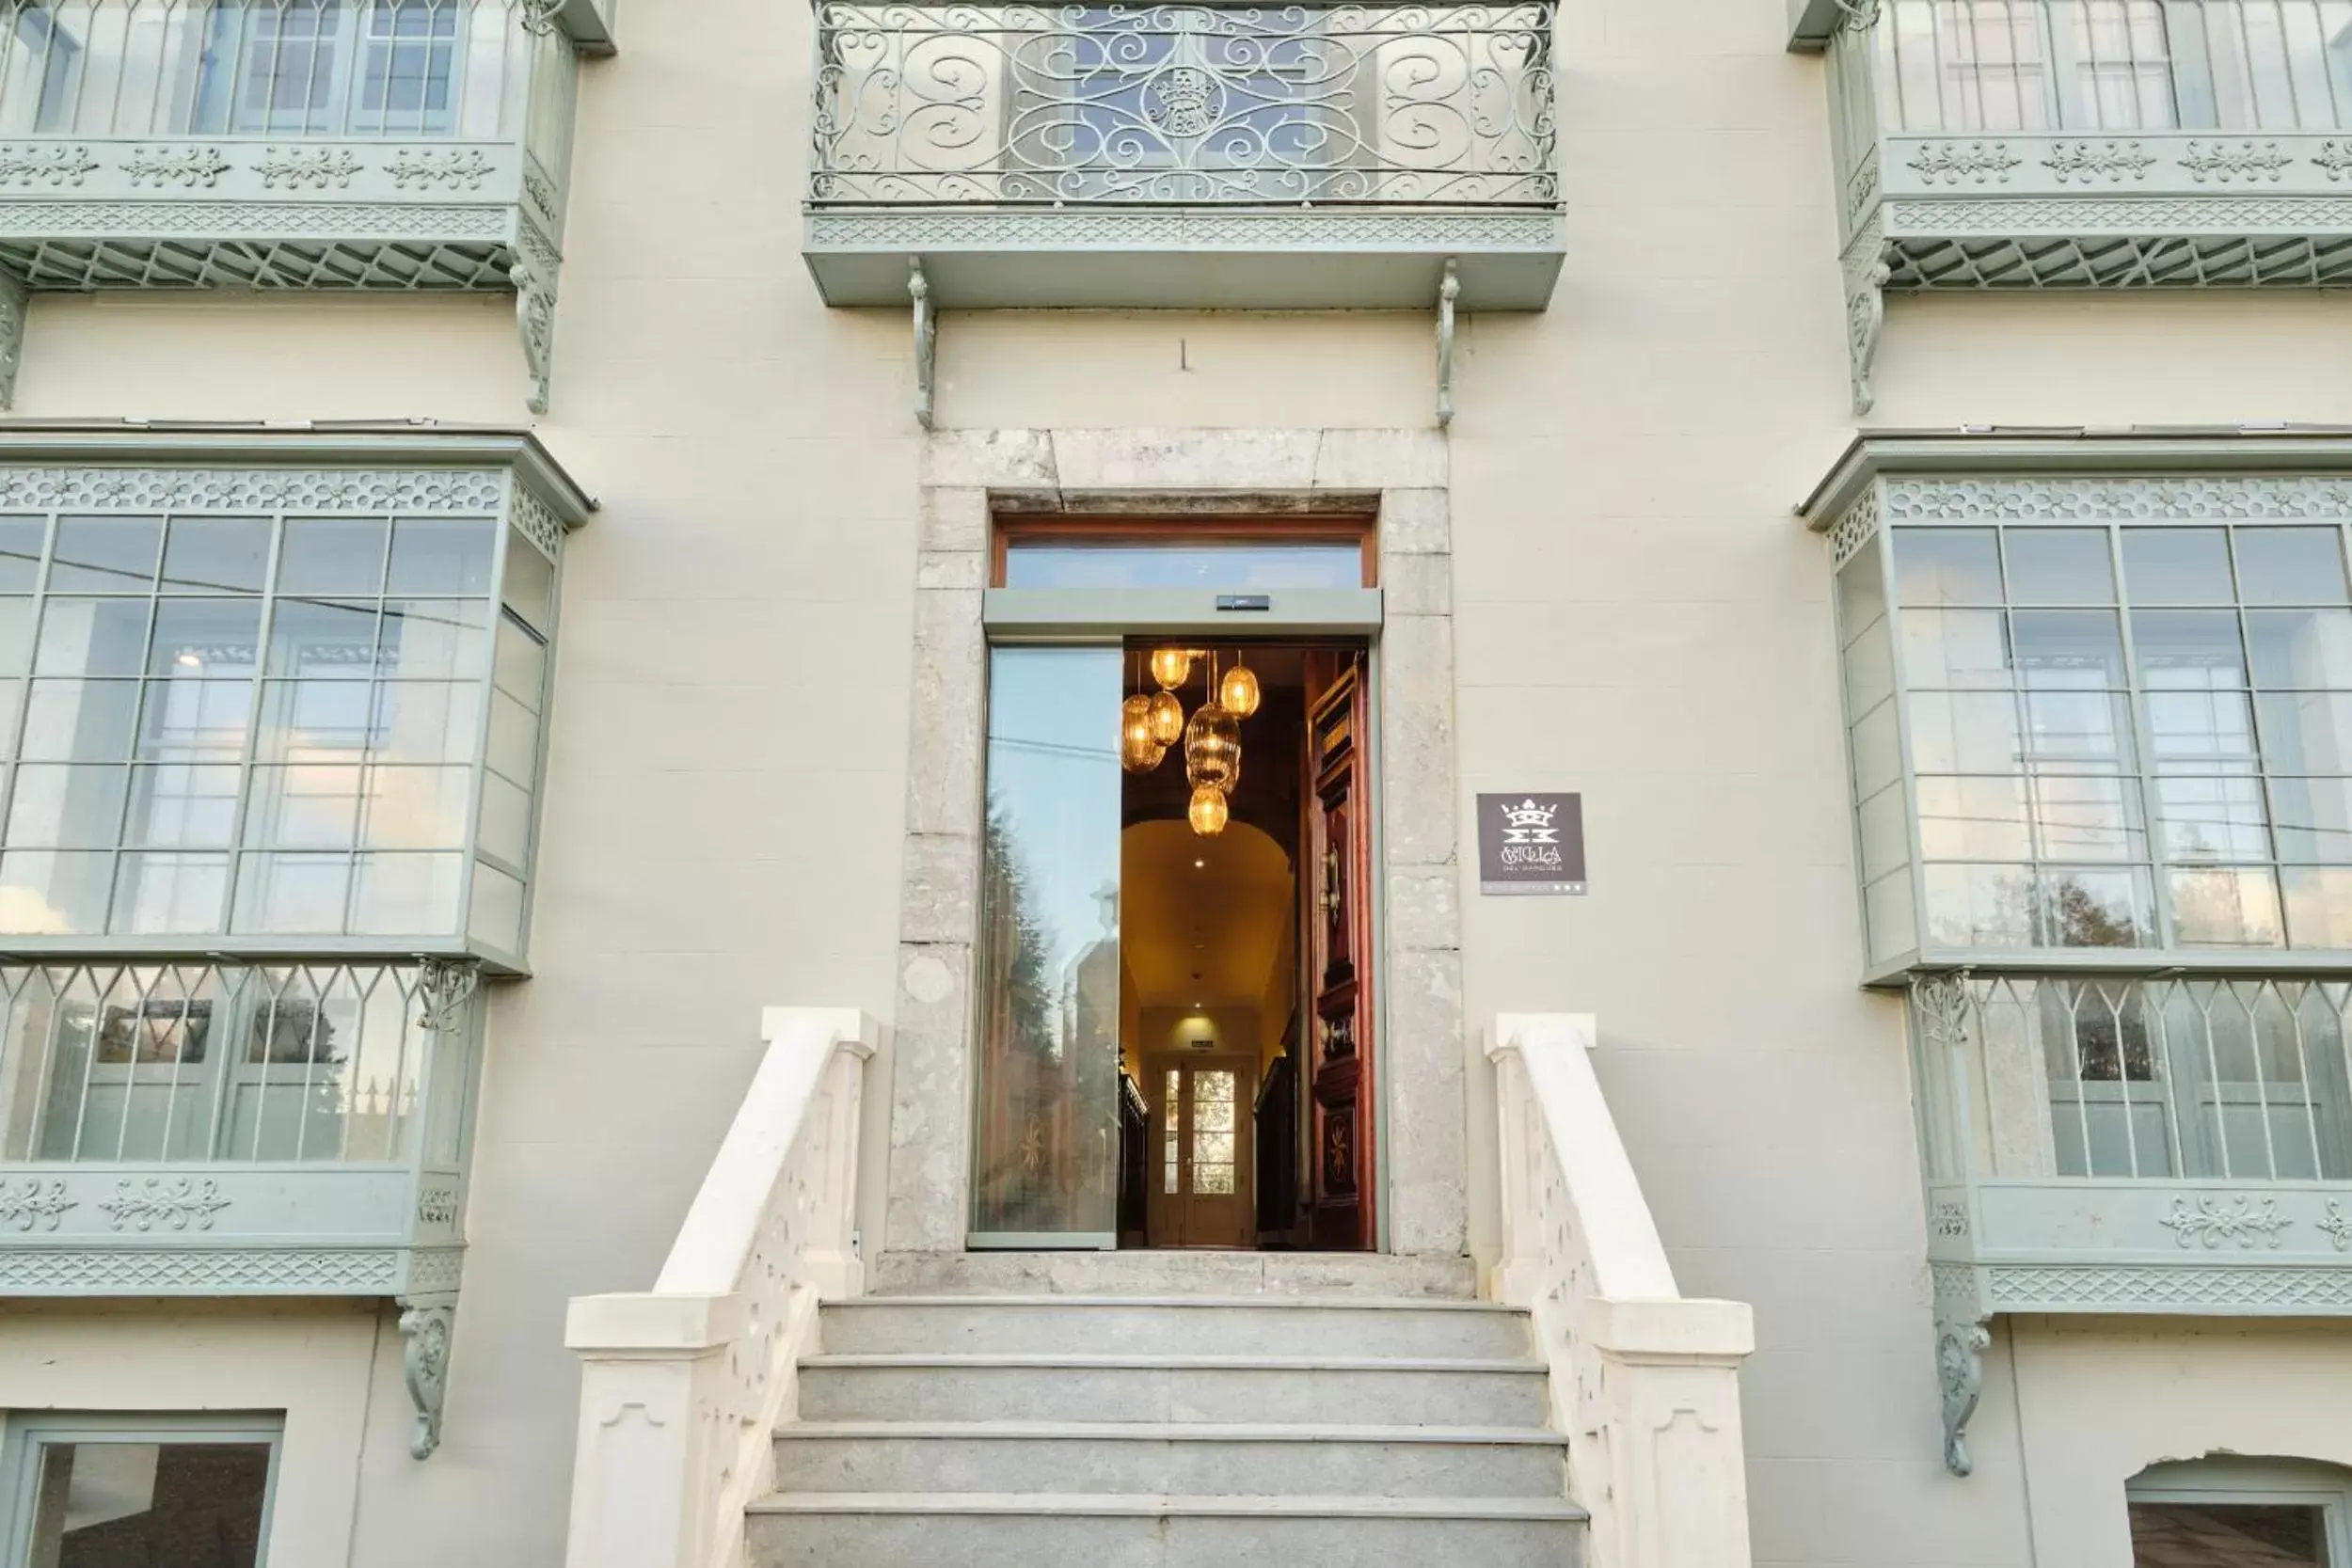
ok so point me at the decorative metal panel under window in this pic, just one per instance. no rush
(362, 143)
(1186, 104)
(2090, 143)
(247, 710)
(2106, 718)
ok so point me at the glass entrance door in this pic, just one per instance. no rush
(1046, 1145)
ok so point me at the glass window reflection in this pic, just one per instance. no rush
(1151, 565)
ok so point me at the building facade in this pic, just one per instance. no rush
(1871, 478)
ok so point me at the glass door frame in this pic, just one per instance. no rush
(1106, 618)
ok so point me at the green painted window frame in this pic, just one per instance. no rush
(2223, 1480)
(27, 1432)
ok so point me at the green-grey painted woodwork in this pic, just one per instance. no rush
(1055, 614)
(2123, 1144)
(2086, 790)
(1324, 157)
(2039, 144)
(217, 1128)
(410, 145)
(315, 750)
(29, 1440)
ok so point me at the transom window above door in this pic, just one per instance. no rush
(1304, 553)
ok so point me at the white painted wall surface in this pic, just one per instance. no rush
(1639, 617)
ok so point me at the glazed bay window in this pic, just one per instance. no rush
(2097, 693)
(273, 707)
(420, 145)
(1993, 144)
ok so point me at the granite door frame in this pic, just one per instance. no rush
(1398, 477)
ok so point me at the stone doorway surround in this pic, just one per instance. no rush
(969, 475)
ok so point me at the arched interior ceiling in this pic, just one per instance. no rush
(1206, 934)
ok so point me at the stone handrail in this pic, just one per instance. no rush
(1644, 1382)
(682, 1386)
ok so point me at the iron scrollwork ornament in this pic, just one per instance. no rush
(424, 1367)
(538, 16)
(444, 990)
(1960, 1346)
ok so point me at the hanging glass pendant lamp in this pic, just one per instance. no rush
(1140, 749)
(1212, 746)
(1238, 692)
(1208, 812)
(1164, 713)
(1171, 667)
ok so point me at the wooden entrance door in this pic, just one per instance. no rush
(1339, 918)
(1202, 1165)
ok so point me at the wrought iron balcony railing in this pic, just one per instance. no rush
(2105, 1144)
(1184, 154)
(289, 144)
(226, 1128)
(1990, 144)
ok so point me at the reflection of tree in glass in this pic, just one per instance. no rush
(1015, 941)
(2081, 920)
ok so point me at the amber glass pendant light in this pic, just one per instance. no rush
(1238, 692)
(1140, 749)
(1208, 812)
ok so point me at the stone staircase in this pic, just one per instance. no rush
(1333, 1429)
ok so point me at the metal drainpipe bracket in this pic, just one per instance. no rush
(925, 338)
(1448, 292)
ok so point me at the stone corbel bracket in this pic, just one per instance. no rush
(426, 1325)
(1448, 292)
(1868, 271)
(1962, 1339)
(925, 338)
(535, 274)
(13, 300)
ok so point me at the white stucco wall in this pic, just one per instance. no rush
(1638, 617)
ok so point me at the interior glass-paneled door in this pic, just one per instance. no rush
(1045, 1143)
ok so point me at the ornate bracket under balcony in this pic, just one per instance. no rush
(1318, 158)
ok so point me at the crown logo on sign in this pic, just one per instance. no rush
(1527, 814)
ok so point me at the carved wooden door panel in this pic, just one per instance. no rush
(1340, 1053)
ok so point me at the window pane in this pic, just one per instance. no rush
(73, 720)
(2176, 566)
(43, 894)
(1978, 905)
(197, 636)
(322, 640)
(295, 895)
(314, 720)
(1946, 566)
(2069, 648)
(2236, 906)
(2290, 566)
(92, 637)
(2059, 565)
(216, 555)
(505, 828)
(2188, 649)
(441, 556)
(193, 1505)
(434, 638)
(1887, 913)
(168, 893)
(2081, 818)
(2085, 907)
(77, 806)
(1955, 648)
(2312, 819)
(182, 805)
(2197, 724)
(399, 895)
(528, 588)
(16, 636)
(1973, 818)
(332, 556)
(2227, 1535)
(313, 806)
(1869, 670)
(21, 539)
(415, 808)
(2300, 647)
(2308, 733)
(427, 721)
(522, 664)
(106, 555)
(2319, 905)
(1861, 597)
(1237, 567)
(1878, 758)
(2086, 730)
(195, 719)
(2212, 818)
(496, 915)
(1963, 731)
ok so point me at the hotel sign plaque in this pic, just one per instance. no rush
(1531, 844)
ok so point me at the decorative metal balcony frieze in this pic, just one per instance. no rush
(2082, 151)
(2106, 1144)
(1194, 155)
(416, 146)
(220, 1129)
